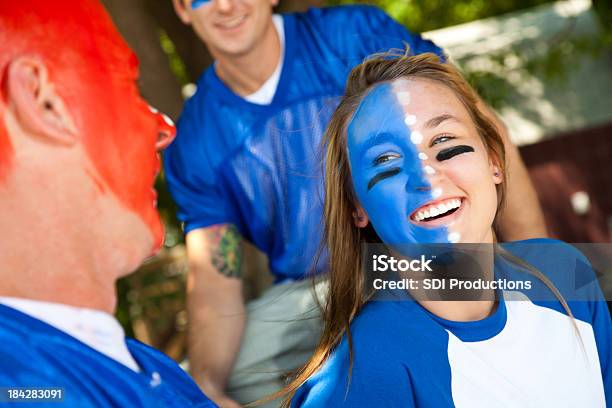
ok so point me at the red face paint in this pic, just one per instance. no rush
(124, 149)
(95, 74)
(6, 153)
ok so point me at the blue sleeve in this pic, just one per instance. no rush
(572, 274)
(359, 31)
(592, 308)
(190, 173)
(374, 382)
(602, 327)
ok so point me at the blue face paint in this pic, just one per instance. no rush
(388, 170)
(197, 3)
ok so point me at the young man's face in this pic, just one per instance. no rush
(229, 27)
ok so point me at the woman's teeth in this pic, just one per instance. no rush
(437, 210)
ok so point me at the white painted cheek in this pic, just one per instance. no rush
(429, 170)
(416, 137)
(454, 237)
(423, 156)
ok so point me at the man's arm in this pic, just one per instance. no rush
(521, 217)
(215, 307)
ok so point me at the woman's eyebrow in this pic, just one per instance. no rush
(437, 120)
(376, 139)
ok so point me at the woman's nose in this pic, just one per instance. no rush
(419, 177)
(224, 6)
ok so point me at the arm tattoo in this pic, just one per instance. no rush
(226, 250)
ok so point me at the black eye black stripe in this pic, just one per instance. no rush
(383, 175)
(453, 151)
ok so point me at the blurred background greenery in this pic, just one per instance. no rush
(152, 300)
(427, 15)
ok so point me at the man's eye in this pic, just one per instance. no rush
(383, 158)
(441, 139)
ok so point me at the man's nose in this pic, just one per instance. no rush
(224, 6)
(166, 131)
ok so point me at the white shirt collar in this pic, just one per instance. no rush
(99, 330)
(265, 94)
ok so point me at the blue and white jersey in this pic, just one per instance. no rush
(260, 166)
(525, 354)
(34, 354)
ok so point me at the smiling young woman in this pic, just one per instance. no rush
(411, 159)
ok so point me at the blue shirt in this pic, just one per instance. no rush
(35, 354)
(525, 354)
(260, 166)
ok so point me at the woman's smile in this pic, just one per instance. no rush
(442, 212)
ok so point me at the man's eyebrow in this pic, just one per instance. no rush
(437, 120)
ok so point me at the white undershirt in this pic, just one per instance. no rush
(99, 330)
(265, 94)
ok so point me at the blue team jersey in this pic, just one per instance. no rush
(35, 354)
(525, 354)
(260, 166)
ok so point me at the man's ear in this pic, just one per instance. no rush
(38, 108)
(360, 218)
(180, 7)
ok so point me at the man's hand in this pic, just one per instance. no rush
(521, 217)
(215, 307)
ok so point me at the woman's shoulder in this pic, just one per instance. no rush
(563, 264)
(567, 267)
(540, 249)
(381, 359)
(373, 374)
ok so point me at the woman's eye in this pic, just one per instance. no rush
(383, 158)
(441, 139)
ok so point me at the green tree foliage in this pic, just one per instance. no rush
(426, 15)
(547, 58)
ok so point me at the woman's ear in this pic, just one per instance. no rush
(496, 169)
(360, 218)
(498, 177)
(39, 110)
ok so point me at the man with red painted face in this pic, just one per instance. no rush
(78, 159)
(246, 164)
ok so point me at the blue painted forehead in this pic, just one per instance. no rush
(378, 95)
(197, 3)
(378, 110)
